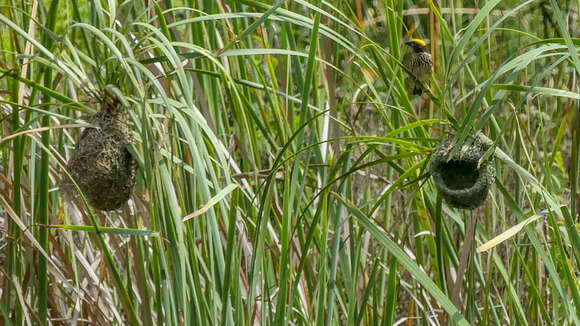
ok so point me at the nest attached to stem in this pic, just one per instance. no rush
(101, 163)
(462, 180)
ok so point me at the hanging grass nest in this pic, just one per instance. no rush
(462, 180)
(101, 163)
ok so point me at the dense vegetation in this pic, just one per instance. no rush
(283, 166)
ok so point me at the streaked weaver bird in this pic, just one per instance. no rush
(418, 61)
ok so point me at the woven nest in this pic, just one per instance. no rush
(101, 163)
(462, 180)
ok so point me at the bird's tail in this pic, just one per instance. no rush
(417, 90)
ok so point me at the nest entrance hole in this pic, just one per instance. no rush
(459, 174)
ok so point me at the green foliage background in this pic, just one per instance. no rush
(283, 165)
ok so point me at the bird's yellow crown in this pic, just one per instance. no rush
(418, 41)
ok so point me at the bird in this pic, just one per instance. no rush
(418, 61)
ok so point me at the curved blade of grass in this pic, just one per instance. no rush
(564, 31)
(516, 64)
(47, 91)
(214, 200)
(250, 29)
(512, 231)
(546, 259)
(537, 90)
(407, 263)
(487, 34)
(104, 229)
(467, 36)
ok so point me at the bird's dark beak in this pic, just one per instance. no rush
(409, 43)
